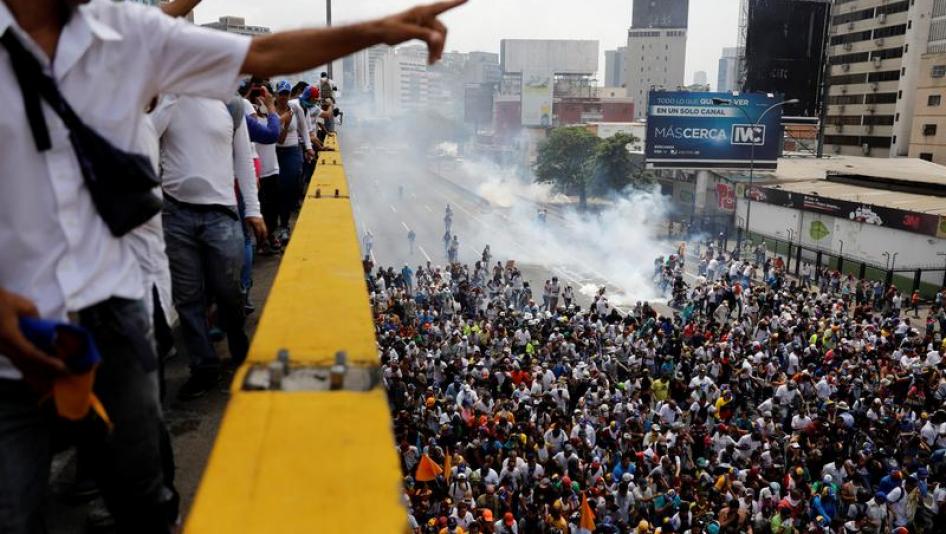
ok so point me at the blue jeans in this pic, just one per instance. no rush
(127, 461)
(246, 274)
(205, 249)
(290, 181)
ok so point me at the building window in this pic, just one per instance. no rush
(933, 100)
(938, 71)
(926, 156)
(929, 129)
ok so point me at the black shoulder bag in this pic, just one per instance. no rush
(121, 183)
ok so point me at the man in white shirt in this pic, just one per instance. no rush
(201, 224)
(61, 262)
(289, 152)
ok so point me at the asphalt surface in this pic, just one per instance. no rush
(413, 193)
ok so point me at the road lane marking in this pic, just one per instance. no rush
(428, 208)
(406, 227)
(424, 252)
(392, 208)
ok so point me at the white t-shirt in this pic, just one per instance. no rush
(269, 163)
(298, 127)
(57, 250)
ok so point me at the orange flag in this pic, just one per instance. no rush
(587, 522)
(447, 464)
(427, 470)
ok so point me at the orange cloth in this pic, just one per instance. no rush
(447, 461)
(587, 516)
(427, 470)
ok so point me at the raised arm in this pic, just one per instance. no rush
(300, 50)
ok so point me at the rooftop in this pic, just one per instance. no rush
(912, 170)
(867, 195)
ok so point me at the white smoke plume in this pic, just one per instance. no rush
(613, 245)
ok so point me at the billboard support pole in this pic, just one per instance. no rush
(755, 124)
(825, 70)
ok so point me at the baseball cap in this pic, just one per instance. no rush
(283, 86)
(309, 96)
(488, 515)
(508, 519)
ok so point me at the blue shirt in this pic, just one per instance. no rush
(264, 135)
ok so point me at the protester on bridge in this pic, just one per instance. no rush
(293, 148)
(63, 262)
(202, 224)
(263, 110)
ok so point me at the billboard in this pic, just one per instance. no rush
(537, 87)
(785, 51)
(713, 131)
(910, 221)
(660, 14)
(557, 56)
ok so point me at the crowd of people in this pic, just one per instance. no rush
(139, 181)
(759, 403)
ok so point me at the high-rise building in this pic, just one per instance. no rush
(615, 67)
(699, 77)
(660, 13)
(929, 112)
(236, 25)
(875, 50)
(656, 49)
(728, 78)
(929, 117)
(785, 51)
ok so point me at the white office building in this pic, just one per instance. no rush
(874, 53)
(656, 49)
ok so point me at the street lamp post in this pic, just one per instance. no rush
(791, 240)
(943, 254)
(887, 255)
(328, 22)
(755, 124)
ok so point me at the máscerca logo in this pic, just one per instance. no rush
(672, 132)
(748, 134)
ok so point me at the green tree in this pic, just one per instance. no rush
(613, 166)
(566, 160)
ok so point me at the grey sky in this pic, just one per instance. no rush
(480, 24)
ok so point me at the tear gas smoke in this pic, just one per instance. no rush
(614, 244)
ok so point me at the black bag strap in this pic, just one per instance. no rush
(34, 85)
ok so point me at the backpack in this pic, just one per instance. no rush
(235, 107)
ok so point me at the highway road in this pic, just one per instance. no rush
(394, 191)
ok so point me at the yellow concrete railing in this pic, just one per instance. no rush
(308, 460)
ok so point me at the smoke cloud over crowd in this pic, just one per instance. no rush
(403, 162)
